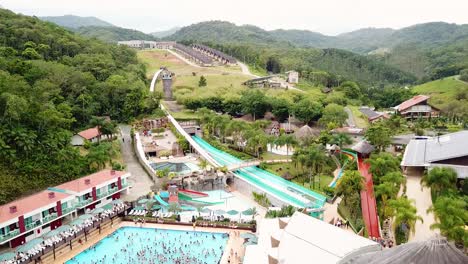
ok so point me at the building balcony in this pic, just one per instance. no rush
(102, 195)
(84, 203)
(33, 225)
(9, 235)
(49, 217)
(68, 210)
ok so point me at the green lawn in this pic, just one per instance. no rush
(442, 91)
(273, 156)
(359, 118)
(281, 168)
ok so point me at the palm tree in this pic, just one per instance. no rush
(350, 185)
(341, 139)
(405, 214)
(286, 140)
(315, 160)
(451, 218)
(384, 192)
(203, 165)
(440, 180)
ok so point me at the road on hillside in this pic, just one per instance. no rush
(140, 181)
(350, 120)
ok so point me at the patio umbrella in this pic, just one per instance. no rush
(249, 243)
(232, 212)
(7, 256)
(156, 207)
(143, 201)
(97, 211)
(29, 245)
(248, 212)
(139, 208)
(248, 235)
(220, 212)
(187, 208)
(206, 211)
(57, 231)
(77, 222)
(107, 207)
(117, 201)
(85, 216)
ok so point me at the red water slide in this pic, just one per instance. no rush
(368, 204)
(192, 192)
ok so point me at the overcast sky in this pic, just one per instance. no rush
(326, 16)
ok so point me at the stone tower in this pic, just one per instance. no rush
(166, 77)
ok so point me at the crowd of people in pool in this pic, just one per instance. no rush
(157, 246)
(24, 256)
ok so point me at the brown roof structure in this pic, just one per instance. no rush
(90, 133)
(413, 101)
(363, 147)
(306, 132)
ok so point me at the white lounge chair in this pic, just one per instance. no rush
(131, 212)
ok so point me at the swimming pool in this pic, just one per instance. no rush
(183, 167)
(151, 245)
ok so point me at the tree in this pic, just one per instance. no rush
(203, 165)
(307, 110)
(340, 139)
(255, 103)
(202, 81)
(452, 216)
(382, 164)
(280, 107)
(313, 158)
(464, 75)
(405, 215)
(441, 180)
(351, 89)
(286, 140)
(379, 136)
(334, 114)
(273, 65)
(350, 185)
(257, 141)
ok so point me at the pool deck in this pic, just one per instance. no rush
(235, 242)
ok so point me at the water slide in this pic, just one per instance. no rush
(276, 186)
(368, 204)
(185, 197)
(160, 200)
(189, 192)
(352, 157)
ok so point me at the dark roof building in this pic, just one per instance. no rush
(450, 150)
(434, 251)
(372, 115)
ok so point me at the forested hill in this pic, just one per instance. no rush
(93, 27)
(71, 21)
(426, 51)
(113, 34)
(52, 84)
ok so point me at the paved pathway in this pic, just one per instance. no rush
(140, 181)
(422, 197)
(350, 119)
(245, 70)
(183, 59)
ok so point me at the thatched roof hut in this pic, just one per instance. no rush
(363, 147)
(306, 132)
(422, 252)
(287, 176)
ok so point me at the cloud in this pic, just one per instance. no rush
(329, 17)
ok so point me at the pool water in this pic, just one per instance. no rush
(151, 245)
(175, 167)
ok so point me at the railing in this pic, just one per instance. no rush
(33, 225)
(102, 195)
(84, 203)
(9, 235)
(68, 209)
(49, 217)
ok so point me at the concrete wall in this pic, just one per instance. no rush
(246, 189)
(140, 153)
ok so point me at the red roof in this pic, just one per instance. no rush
(413, 101)
(90, 133)
(29, 204)
(95, 179)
